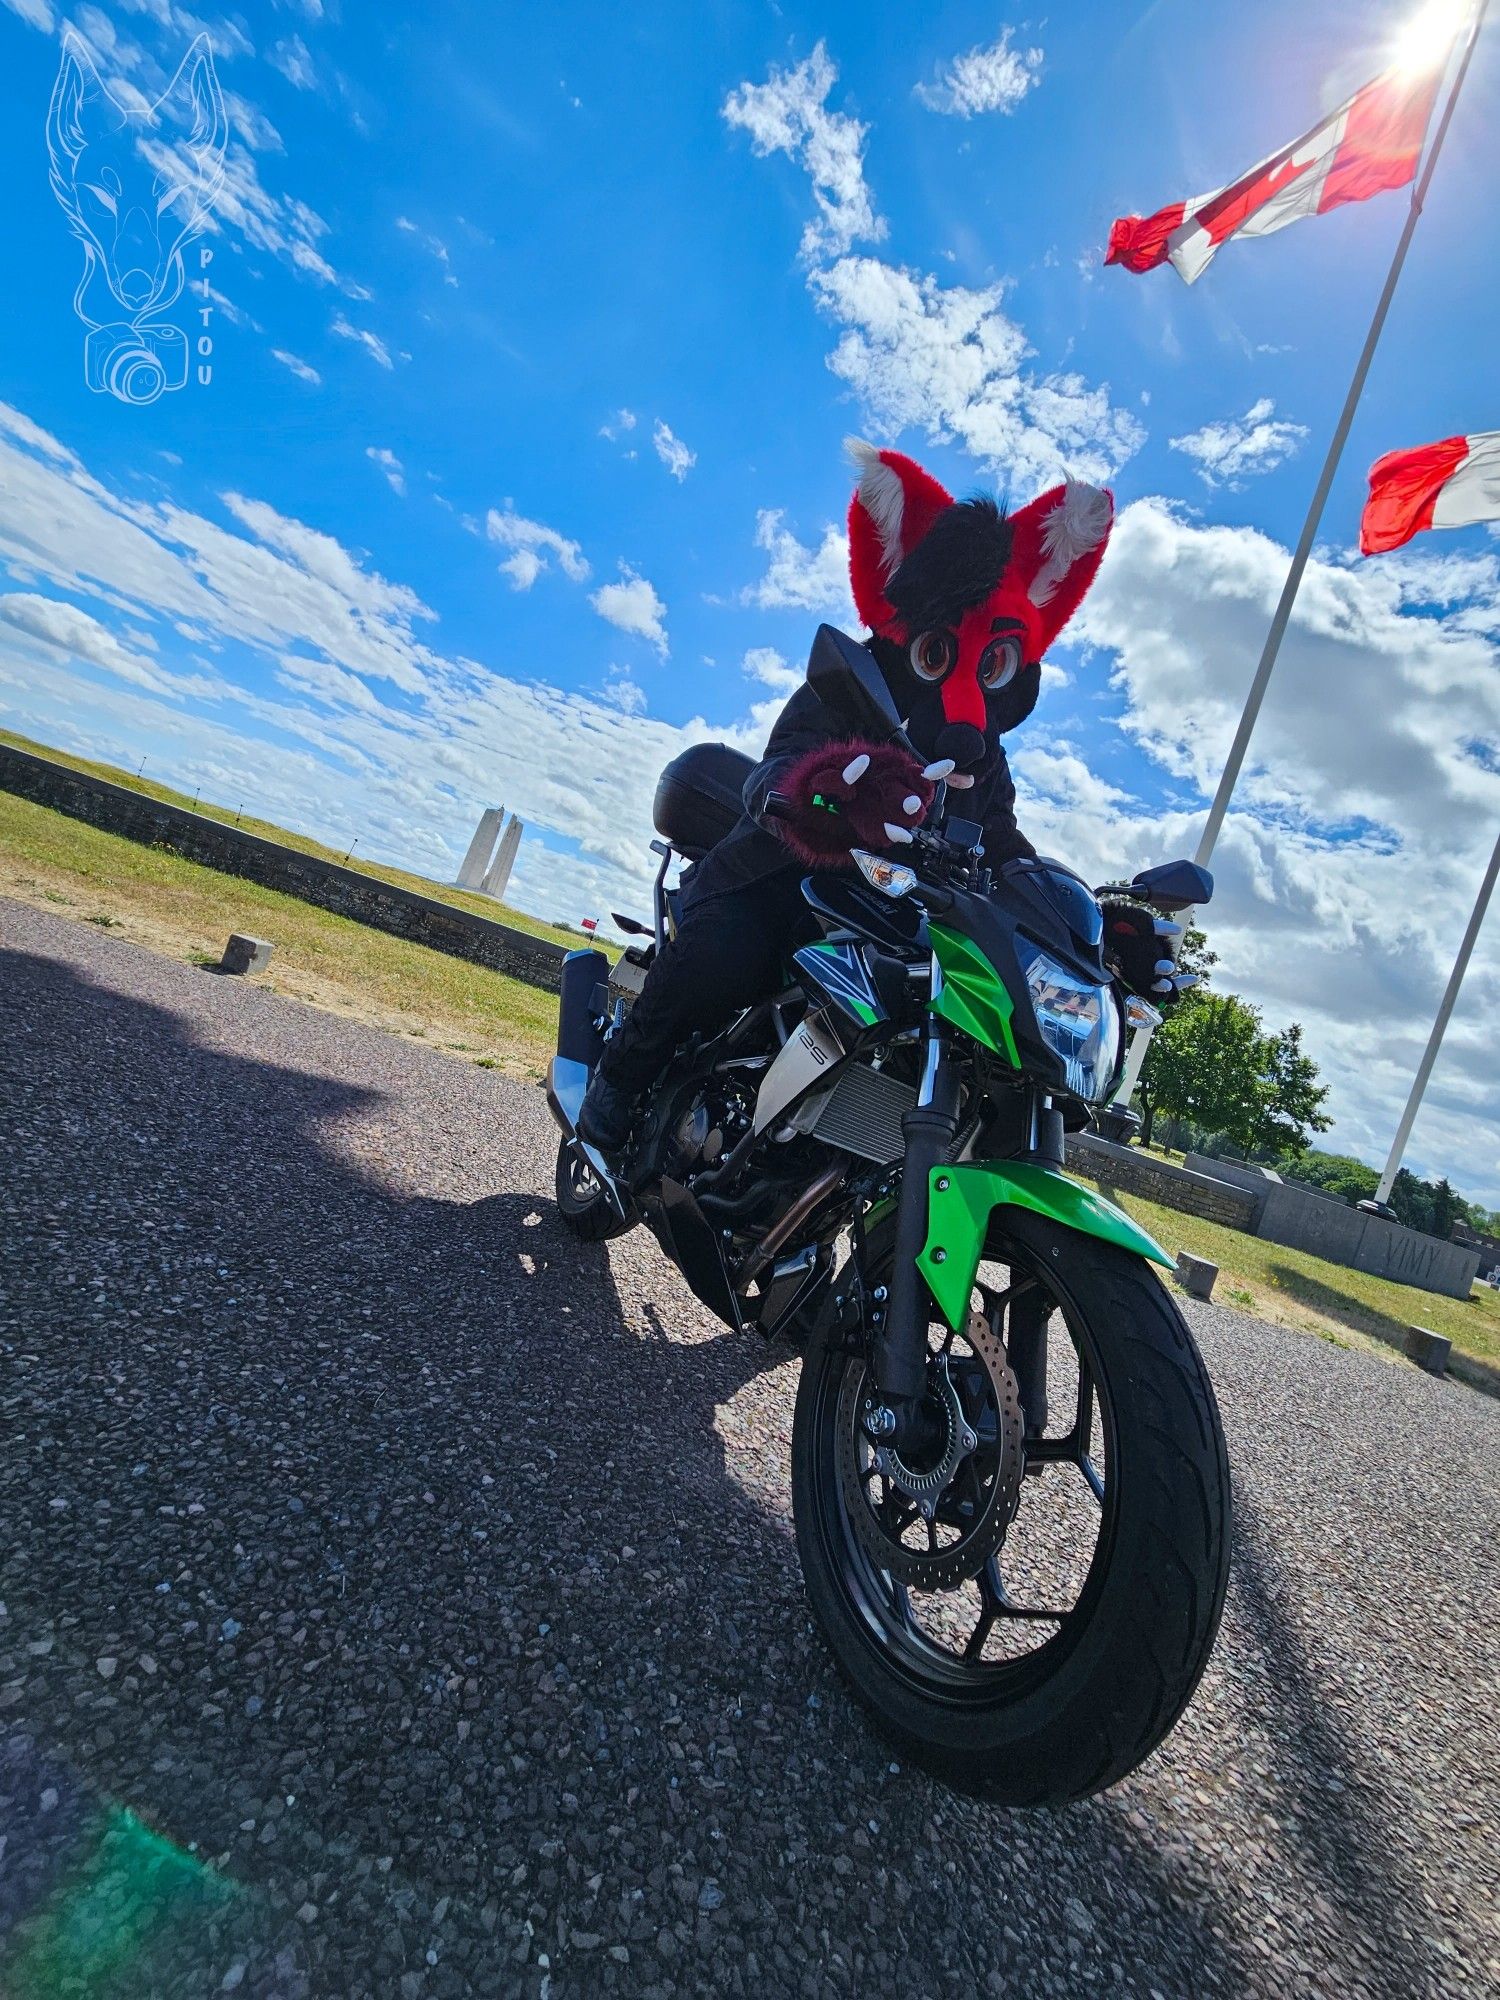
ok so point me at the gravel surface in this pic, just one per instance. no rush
(430, 1578)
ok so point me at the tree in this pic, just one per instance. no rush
(1292, 1099)
(1213, 1066)
(1195, 957)
(1205, 1066)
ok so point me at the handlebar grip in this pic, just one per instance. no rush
(777, 805)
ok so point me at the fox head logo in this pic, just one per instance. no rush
(136, 183)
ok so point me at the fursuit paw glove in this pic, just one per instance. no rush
(847, 795)
(1138, 946)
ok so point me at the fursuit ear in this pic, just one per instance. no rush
(894, 504)
(77, 86)
(1060, 541)
(196, 98)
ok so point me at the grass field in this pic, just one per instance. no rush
(444, 892)
(186, 911)
(1294, 1289)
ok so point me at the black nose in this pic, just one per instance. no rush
(962, 742)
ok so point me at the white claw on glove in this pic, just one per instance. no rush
(1166, 928)
(1158, 986)
(855, 771)
(911, 806)
(899, 836)
(943, 768)
(1164, 965)
(1184, 980)
(961, 781)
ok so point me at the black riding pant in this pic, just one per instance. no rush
(732, 944)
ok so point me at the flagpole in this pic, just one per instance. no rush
(1435, 1039)
(1141, 1040)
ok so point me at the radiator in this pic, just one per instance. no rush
(862, 1114)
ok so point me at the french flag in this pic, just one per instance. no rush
(1371, 143)
(1451, 484)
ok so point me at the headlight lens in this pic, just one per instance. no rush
(1079, 1021)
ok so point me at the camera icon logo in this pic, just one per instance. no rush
(137, 186)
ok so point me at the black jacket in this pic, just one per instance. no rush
(753, 848)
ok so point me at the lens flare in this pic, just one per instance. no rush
(1424, 41)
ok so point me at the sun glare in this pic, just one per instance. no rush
(1426, 38)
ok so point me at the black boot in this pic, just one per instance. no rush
(606, 1115)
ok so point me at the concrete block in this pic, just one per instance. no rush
(1428, 1349)
(245, 954)
(1196, 1275)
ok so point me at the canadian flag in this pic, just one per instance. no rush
(1370, 144)
(1450, 484)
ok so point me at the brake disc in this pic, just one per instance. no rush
(959, 1504)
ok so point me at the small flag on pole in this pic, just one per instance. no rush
(1451, 484)
(1370, 144)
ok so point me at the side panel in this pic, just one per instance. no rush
(973, 995)
(962, 1199)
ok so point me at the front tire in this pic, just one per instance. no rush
(1107, 1678)
(582, 1200)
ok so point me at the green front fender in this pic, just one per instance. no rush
(962, 1199)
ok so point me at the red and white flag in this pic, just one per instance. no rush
(1451, 484)
(1370, 144)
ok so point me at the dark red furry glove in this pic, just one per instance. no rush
(832, 811)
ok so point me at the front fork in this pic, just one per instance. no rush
(899, 1354)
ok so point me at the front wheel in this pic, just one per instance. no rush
(1025, 1606)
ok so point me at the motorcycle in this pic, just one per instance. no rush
(1009, 1481)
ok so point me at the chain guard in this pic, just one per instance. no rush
(999, 1463)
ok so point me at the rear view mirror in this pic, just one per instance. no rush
(845, 678)
(1175, 885)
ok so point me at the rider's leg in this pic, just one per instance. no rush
(727, 954)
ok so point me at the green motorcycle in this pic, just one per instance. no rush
(1009, 1478)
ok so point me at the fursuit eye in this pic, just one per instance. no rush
(932, 655)
(999, 664)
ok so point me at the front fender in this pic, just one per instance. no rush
(960, 1201)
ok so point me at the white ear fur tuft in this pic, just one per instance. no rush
(882, 496)
(1075, 527)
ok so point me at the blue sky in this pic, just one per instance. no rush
(536, 332)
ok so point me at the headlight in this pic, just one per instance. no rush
(1079, 1021)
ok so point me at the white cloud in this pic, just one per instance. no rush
(672, 452)
(253, 126)
(280, 224)
(373, 345)
(1228, 453)
(799, 578)
(789, 114)
(390, 465)
(291, 57)
(946, 360)
(633, 606)
(622, 420)
(995, 78)
(766, 665)
(303, 370)
(943, 359)
(623, 692)
(433, 245)
(36, 13)
(533, 548)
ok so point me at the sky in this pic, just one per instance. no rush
(534, 335)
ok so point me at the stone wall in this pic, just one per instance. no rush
(345, 891)
(1158, 1180)
(1303, 1219)
(1329, 1228)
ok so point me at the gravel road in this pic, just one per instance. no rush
(425, 1582)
